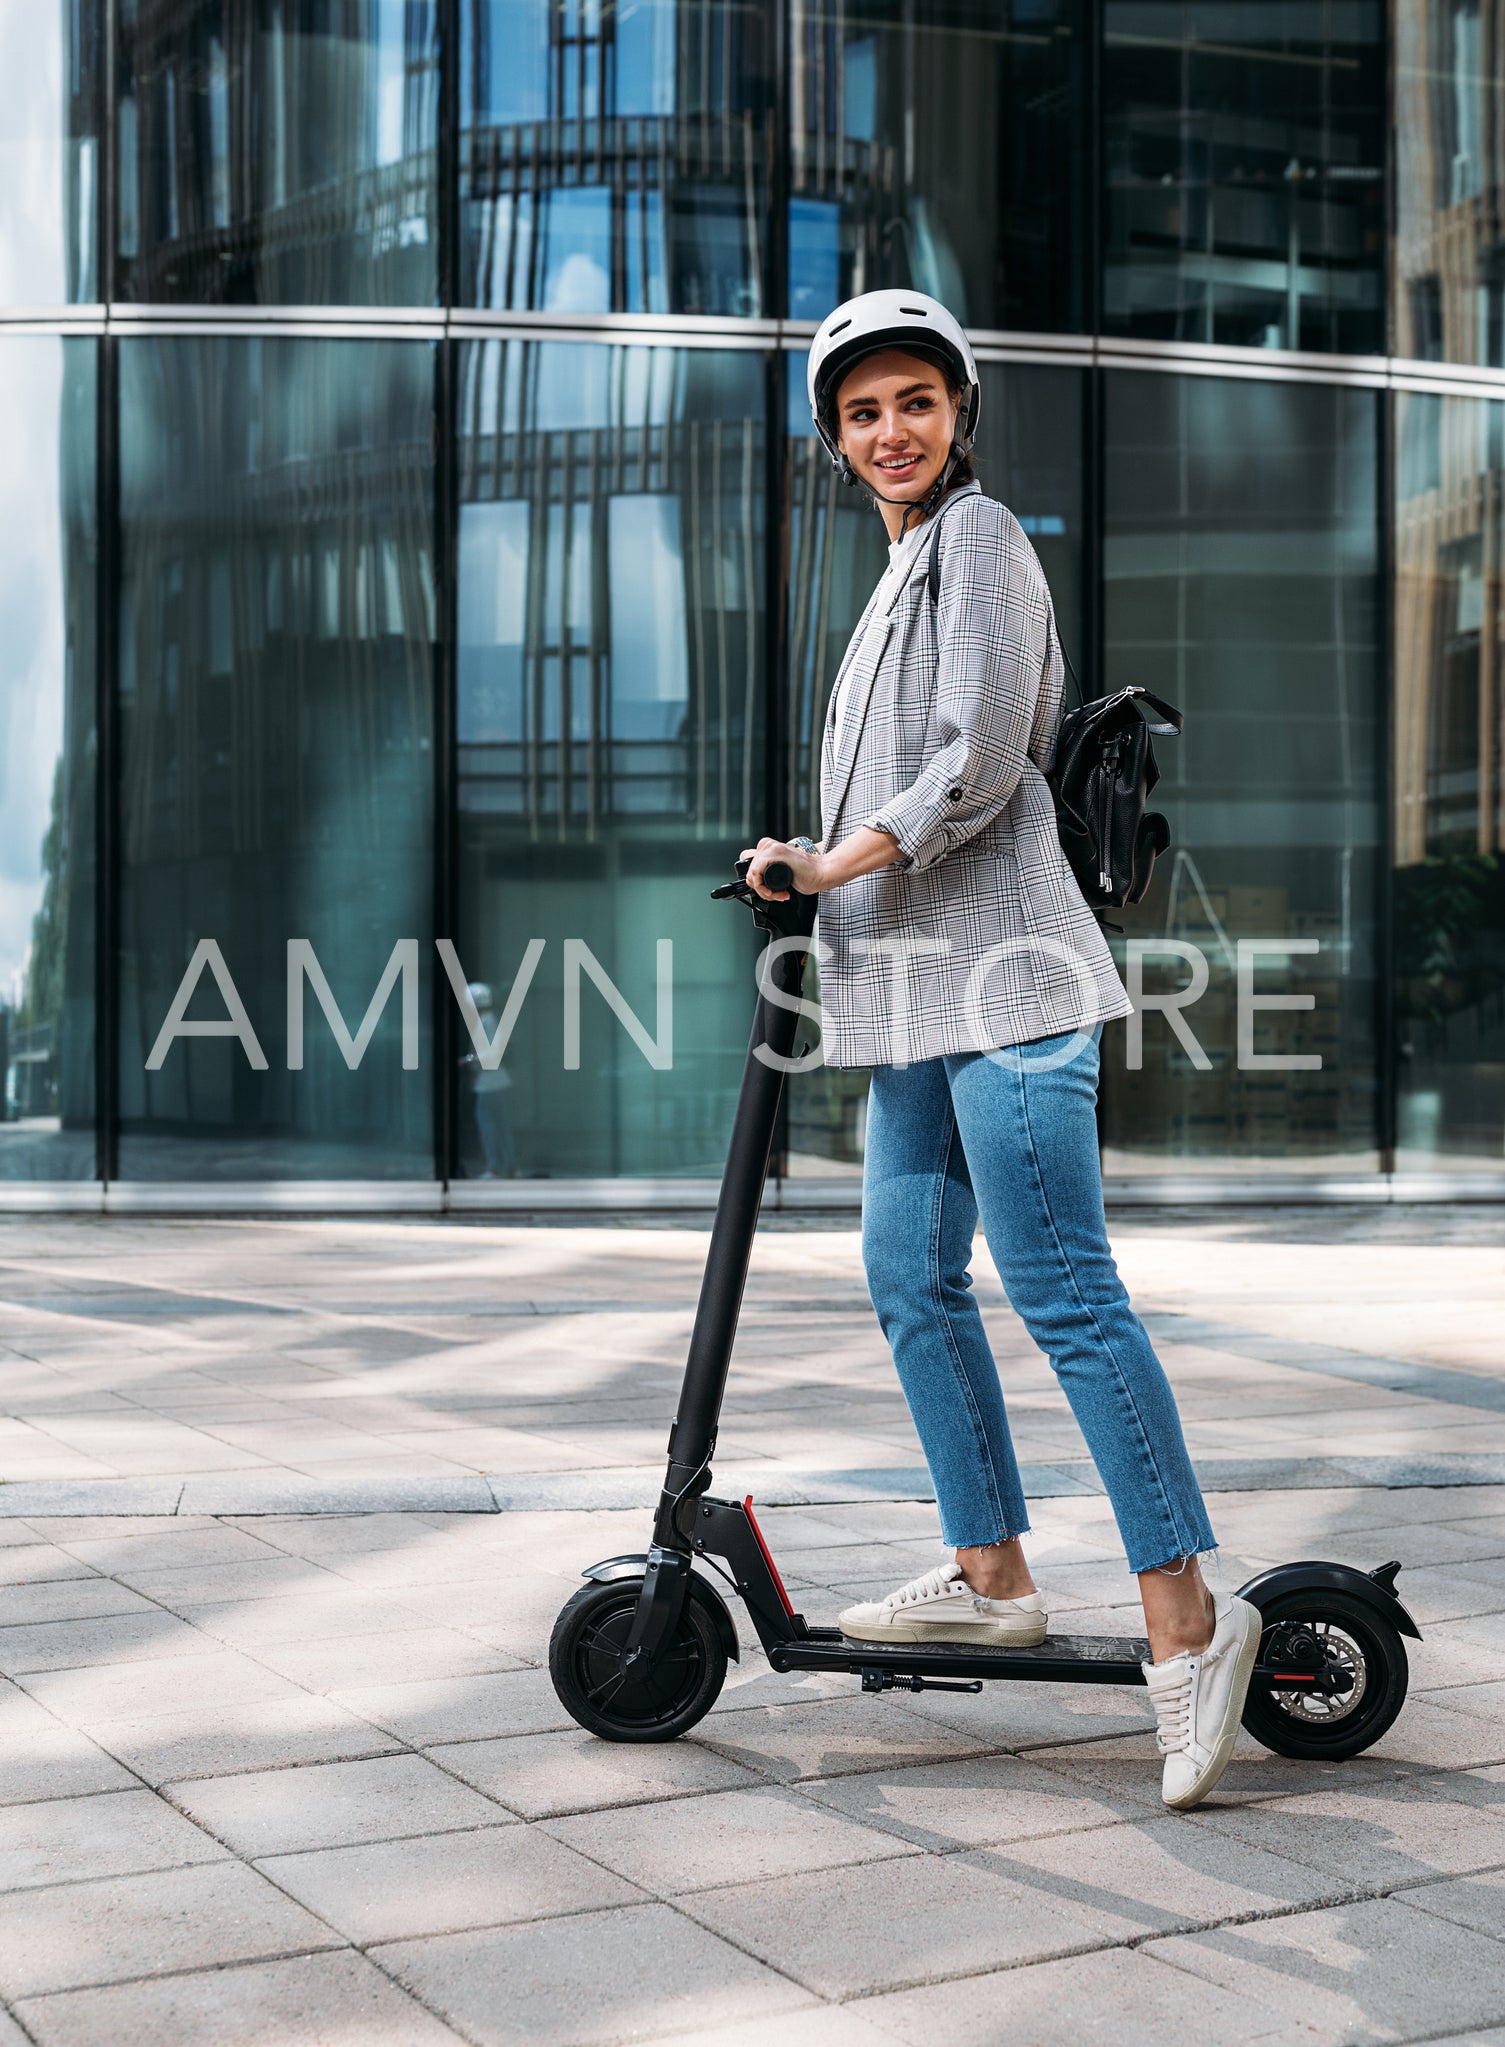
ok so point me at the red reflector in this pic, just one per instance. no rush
(773, 1569)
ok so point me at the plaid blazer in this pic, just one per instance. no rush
(941, 724)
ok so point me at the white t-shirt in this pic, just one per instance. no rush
(901, 555)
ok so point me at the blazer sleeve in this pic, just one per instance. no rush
(992, 646)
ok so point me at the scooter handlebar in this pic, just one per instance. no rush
(776, 875)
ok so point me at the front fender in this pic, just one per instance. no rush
(635, 1566)
(1374, 1588)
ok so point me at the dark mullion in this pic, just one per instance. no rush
(106, 759)
(106, 632)
(1386, 1034)
(1386, 1031)
(1094, 165)
(443, 1015)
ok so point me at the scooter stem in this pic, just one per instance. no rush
(692, 1436)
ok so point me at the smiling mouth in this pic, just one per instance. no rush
(894, 468)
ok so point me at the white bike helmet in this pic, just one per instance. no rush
(889, 319)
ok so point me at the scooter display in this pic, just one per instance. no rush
(640, 1653)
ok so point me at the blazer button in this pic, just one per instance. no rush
(954, 795)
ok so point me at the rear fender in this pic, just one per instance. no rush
(611, 1568)
(1374, 1588)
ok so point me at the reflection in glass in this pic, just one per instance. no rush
(1240, 571)
(881, 194)
(1244, 147)
(1029, 455)
(47, 567)
(1449, 278)
(49, 152)
(613, 159)
(276, 626)
(610, 734)
(277, 153)
(1449, 781)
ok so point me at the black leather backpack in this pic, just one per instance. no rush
(1103, 773)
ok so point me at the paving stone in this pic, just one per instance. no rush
(825, 2025)
(1157, 1875)
(832, 1738)
(486, 1704)
(180, 1587)
(446, 1883)
(1432, 1735)
(11, 2034)
(1375, 1835)
(1374, 1971)
(538, 1775)
(409, 1656)
(1477, 1901)
(1120, 1998)
(68, 1599)
(845, 1932)
(39, 1563)
(640, 1972)
(63, 1840)
(321, 2000)
(976, 1803)
(168, 1685)
(1030, 1716)
(725, 1836)
(119, 1638)
(157, 1546)
(327, 1805)
(258, 1735)
(55, 1762)
(73, 1934)
(331, 1613)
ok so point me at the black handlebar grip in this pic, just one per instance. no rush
(776, 875)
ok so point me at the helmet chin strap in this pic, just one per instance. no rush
(924, 507)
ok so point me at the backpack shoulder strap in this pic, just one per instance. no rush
(933, 582)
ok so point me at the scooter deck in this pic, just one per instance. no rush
(1065, 1659)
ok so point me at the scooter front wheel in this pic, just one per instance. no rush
(1361, 1652)
(657, 1703)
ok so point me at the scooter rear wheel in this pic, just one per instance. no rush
(656, 1704)
(1361, 1643)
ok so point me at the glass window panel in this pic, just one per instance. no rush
(49, 152)
(273, 154)
(610, 743)
(1240, 582)
(1029, 455)
(1244, 145)
(47, 569)
(1449, 825)
(614, 159)
(1449, 276)
(276, 634)
(881, 195)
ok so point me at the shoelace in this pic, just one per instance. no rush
(937, 1581)
(1173, 1717)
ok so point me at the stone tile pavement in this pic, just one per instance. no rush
(281, 1766)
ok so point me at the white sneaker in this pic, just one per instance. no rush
(942, 1607)
(1199, 1701)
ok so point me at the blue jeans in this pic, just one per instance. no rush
(1013, 1138)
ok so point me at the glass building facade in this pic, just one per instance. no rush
(420, 577)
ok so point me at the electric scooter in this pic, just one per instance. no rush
(640, 1653)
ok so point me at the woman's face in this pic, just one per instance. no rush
(896, 420)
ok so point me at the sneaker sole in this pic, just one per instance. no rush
(953, 1632)
(1222, 1755)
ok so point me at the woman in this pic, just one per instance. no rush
(961, 963)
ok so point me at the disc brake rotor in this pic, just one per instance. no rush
(1323, 1708)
